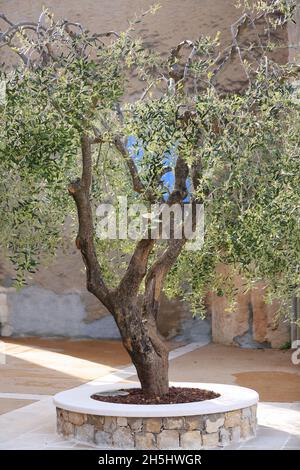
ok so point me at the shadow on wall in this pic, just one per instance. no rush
(35, 311)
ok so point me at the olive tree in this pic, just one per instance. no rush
(65, 128)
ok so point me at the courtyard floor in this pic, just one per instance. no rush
(36, 369)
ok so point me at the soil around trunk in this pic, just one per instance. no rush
(135, 396)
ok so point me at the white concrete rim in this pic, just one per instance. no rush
(79, 400)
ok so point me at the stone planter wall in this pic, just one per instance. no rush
(187, 432)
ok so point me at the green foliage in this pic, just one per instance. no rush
(47, 108)
(245, 143)
(286, 346)
(250, 158)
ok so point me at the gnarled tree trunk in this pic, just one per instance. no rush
(153, 370)
(136, 317)
(147, 350)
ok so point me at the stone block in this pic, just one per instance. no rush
(224, 437)
(59, 424)
(123, 438)
(214, 422)
(152, 424)
(173, 423)
(246, 413)
(110, 424)
(96, 421)
(121, 421)
(168, 439)
(210, 440)
(253, 411)
(85, 433)
(235, 434)
(191, 440)
(136, 424)
(77, 418)
(232, 419)
(193, 423)
(248, 429)
(62, 414)
(103, 439)
(67, 429)
(145, 440)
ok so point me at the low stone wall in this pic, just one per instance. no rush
(187, 432)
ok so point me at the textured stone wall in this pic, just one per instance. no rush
(56, 303)
(5, 323)
(294, 36)
(187, 432)
(252, 324)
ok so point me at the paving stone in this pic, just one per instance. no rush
(293, 443)
(267, 438)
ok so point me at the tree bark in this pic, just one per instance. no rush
(80, 191)
(136, 317)
(147, 350)
(153, 372)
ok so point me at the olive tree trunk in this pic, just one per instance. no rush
(147, 350)
(135, 315)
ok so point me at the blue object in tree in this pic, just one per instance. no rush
(168, 179)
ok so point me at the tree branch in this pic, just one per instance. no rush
(179, 192)
(80, 191)
(136, 270)
(136, 181)
(156, 276)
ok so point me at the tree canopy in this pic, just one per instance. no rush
(241, 149)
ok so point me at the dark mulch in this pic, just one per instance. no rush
(135, 396)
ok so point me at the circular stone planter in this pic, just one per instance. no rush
(219, 422)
